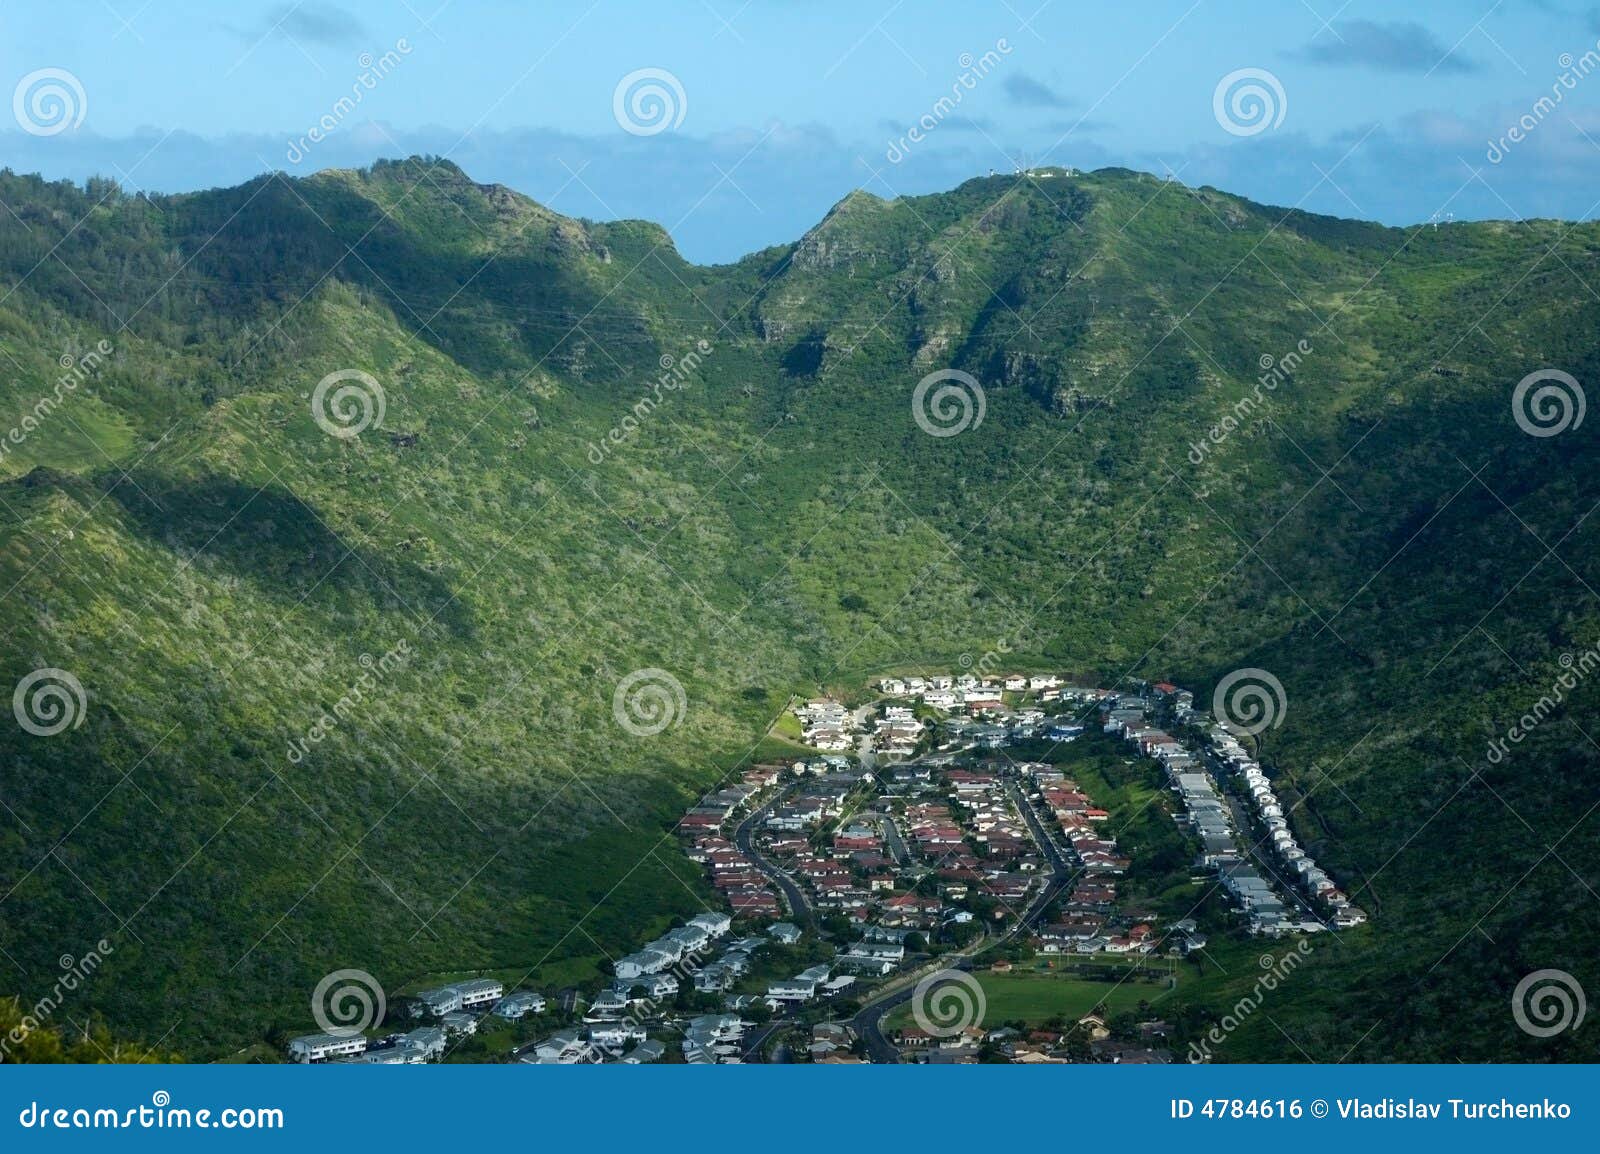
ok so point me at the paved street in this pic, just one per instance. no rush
(744, 838)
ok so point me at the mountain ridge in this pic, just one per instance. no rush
(212, 565)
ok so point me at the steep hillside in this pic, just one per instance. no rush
(595, 458)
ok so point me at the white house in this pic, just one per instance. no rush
(479, 992)
(440, 1001)
(400, 1054)
(607, 1004)
(427, 1039)
(793, 991)
(321, 1047)
(615, 1035)
(883, 951)
(670, 948)
(658, 985)
(827, 739)
(646, 961)
(715, 924)
(519, 1004)
(646, 1051)
(564, 1048)
(691, 937)
(713, 979)
(718, 1027)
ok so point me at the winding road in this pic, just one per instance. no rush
(868, 1023)
(743, 837)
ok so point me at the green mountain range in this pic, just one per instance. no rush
(349, 698)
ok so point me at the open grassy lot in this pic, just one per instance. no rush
(1037, 996)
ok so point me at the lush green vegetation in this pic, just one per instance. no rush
(182, 536)
(1038, 997)
(27, 1037)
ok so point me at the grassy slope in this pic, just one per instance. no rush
(217, 596)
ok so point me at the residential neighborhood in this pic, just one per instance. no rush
(953, 836)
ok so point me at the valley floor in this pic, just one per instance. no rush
(965, 885)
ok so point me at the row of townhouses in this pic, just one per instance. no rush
(1297, 863)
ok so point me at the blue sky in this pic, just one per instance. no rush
(778, 108)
